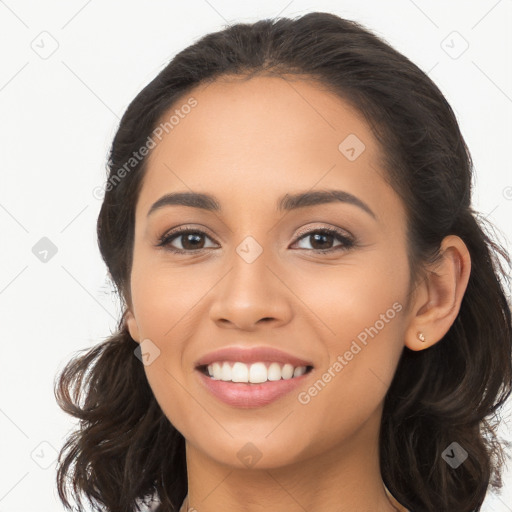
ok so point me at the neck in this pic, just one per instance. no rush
(345, 478)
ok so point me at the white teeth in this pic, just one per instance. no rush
(240, 373)
(274, 372)
(300, 370)
(215, 371)
(226, 371)
(287, 371)
(255, 373)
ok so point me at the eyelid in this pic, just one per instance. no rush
(187, 227)
(343, 235)
(346, 239)
(307, 230)
(181, 230)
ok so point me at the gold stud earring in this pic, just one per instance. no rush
(421, 337)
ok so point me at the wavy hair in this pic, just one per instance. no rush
(125, 449)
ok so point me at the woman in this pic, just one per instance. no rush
(313, 317)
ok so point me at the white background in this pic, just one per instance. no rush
(58, 115)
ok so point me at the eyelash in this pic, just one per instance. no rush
(347, 241)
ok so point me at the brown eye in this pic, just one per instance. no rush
(321, 240)
(190, 240)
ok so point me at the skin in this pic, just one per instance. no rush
(248, 143)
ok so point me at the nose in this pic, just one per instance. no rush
(251, 295)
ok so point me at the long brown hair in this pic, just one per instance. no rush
(125, 448)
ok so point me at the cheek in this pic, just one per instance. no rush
(162, 304)
(357, 299)
(164, 297)
(359, 314)
(166, 301)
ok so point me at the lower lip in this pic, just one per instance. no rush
(246, 396)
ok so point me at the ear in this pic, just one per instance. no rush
(437, 301)
(131, 323)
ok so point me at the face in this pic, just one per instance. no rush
(324, 280)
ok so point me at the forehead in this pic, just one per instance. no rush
(264, 137)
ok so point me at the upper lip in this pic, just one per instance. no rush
(251, 355)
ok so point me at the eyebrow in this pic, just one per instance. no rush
(285, 203)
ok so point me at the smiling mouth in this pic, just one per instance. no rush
(255, 373)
